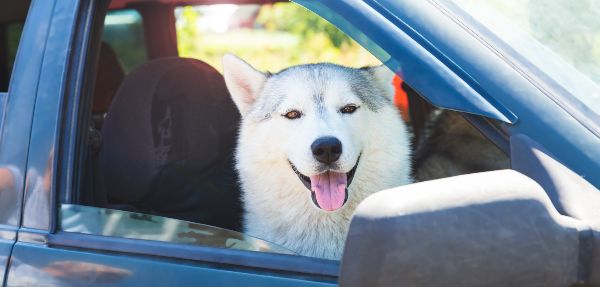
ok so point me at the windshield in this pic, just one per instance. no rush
(560, 38)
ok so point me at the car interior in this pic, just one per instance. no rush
(160, 133)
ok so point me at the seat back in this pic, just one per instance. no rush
(168, 141)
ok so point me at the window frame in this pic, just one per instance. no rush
(70, 156)
(281, 264)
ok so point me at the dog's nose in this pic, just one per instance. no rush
(326, 149)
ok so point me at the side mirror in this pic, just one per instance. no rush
(488, 229)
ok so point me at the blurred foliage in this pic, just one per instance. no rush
(187, 31)
(299, 21)
(283, 34)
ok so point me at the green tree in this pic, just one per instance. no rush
(300, 21)
(187, 31)
(282, 35)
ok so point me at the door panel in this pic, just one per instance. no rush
(7, 239)
(35, 265)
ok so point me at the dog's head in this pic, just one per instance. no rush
(314, 117)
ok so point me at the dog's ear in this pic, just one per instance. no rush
(384, 78)
(243, 82)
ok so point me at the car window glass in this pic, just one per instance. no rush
(12, 35)
(569, 29)
(13, 32)
(562, 38)
(124, 33)
(117, 223)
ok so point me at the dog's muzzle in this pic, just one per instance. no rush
(329, 190)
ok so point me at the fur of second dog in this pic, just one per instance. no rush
(314, 141)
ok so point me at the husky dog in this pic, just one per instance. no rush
(314, 141)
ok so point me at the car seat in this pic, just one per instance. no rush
(168, 141)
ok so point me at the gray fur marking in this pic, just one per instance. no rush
(364, 85)
(319, 103)
(316, 76)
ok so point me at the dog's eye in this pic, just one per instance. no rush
(293, 114)
(348, 109)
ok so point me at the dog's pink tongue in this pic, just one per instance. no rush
(330, 189)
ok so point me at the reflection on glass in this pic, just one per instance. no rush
(117, 223)
(561, 38)
(8, 195)
(79, 271)
(569, 28)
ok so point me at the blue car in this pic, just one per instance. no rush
(74, 212)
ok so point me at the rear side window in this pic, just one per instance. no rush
(124, 33)
(11, 34)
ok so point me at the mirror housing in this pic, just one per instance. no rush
(495, 228)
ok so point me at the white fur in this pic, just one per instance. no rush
(278, 207)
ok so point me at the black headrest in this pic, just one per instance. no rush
(170, 113)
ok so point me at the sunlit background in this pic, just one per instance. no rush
(270, 37)
(275, 36)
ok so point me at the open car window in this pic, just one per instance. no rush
(134, 225)
(157, 157)
(152, 168)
